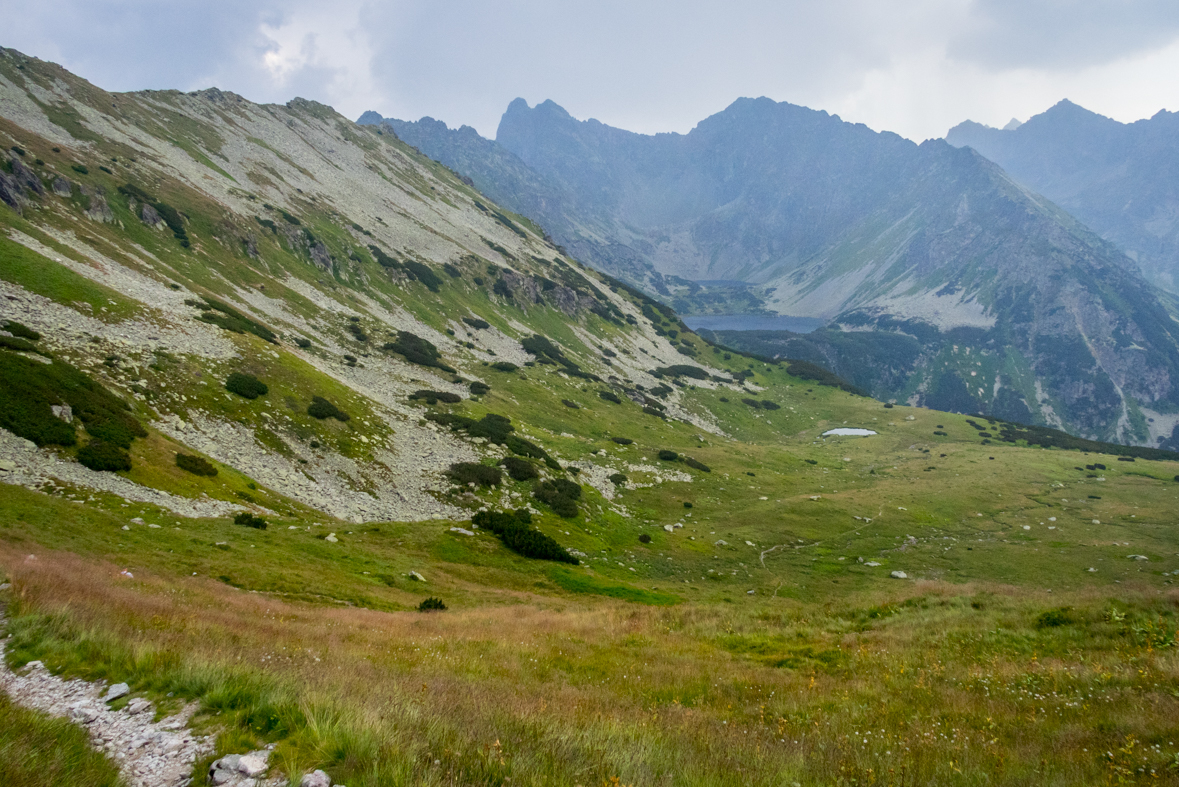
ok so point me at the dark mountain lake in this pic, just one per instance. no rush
(753, 322)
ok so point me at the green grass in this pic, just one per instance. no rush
(37, 750)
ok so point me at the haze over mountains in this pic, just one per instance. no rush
(1014, 307)
(1121, 179)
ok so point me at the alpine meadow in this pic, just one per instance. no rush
(324, 463)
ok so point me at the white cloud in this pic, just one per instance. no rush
(914, 66)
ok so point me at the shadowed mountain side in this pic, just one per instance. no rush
(1121, 179)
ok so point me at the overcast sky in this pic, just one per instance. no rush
(916, 67)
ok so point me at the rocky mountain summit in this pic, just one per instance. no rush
(1118, 178)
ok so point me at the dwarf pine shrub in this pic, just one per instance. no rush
(195, 465)
(246, 385)
(474, 473)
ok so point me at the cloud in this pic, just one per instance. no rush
(912, 66)
(1063, 34)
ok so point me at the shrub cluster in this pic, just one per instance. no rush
(698, 465)
(452, 271)
(246, 519)
(321, 408)
(681, 370)
(169, 214)
(504, 366)
(246, 385)
(431, 605)
(29, 389)
(668, 455)
(433, 397)
(609, 396)
(417, 350)
(474, 473)
(101, 455)
(561, 495)
(618, 479)
(622, 440)
(515, 531)
(224, 316)
(478, 389)
(303, 343)
(519, 469)
(495, 429)
(547, 352)
(762, 405)
(423, 273)
(21, 331)
(571, 404)
(476, 323)
(195, 465)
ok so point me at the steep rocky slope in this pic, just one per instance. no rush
(868, 231)
(159, 243)
(1118, 178)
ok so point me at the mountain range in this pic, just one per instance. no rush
(1018, 309)
(1120, 179)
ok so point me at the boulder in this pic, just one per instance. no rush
(899, 575)
(315, 779)
(416, 577)
(252, 765)
(116, 691)
(62, 187)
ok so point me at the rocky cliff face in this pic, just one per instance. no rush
(1121, 179)
(866, 230)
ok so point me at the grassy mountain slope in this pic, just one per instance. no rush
(731, 617)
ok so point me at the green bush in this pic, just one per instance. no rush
(431, 605)
(29, 389)
(433, 397)
(519, 469)
(195, 465)
(224, 316)
(478, 389)
(644, 539)
(681, 370)
(417, 350)
(609, 396)
(560, 495)
(649, 410)
(476, 323)
(571, 404)
(423, 273)
(1053, 618)
(246, 385)
(104, 456)
(81, 169)
(622, 440)
(515, 531)
(473, 472)
(303, 343)
(690, 462)
(618, 479)
(668, 455)
(321, 408)
(21, 331)
(452, 271)
(504, 366)
(246, 519)
(383, 259)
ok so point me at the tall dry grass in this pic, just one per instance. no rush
(939, 684)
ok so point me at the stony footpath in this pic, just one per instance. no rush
(148, 753)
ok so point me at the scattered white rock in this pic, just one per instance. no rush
(899, 575)
(720, 542)
(315, 779)
(462, 531)
(331, 538)
(872, 564)
(1138, 557)
(416, 577)
(116, 691)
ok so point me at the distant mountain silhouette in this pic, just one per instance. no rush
(1121, 179)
